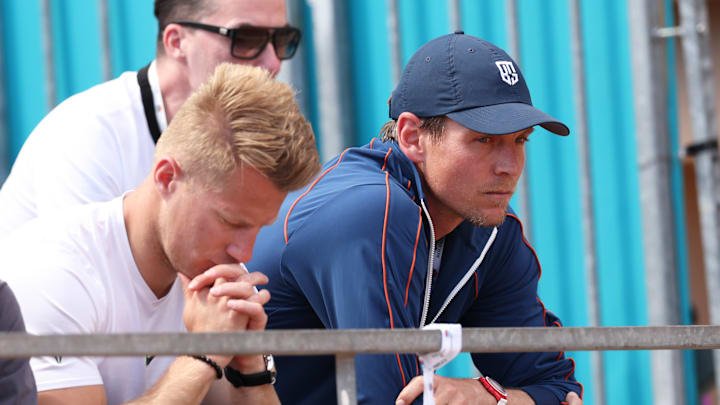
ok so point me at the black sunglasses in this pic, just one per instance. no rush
(248, 42)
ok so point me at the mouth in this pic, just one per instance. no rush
(499, 193)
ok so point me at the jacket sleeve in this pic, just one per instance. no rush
(351, 260)
(508, 298)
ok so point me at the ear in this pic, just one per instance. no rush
(166, 173)
(409, 137)
(173, 38)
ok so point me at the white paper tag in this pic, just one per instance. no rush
(450, 347)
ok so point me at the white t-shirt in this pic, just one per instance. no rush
(93, 147)
(74, 273)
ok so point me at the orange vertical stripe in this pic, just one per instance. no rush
(287, 217)
(384, 268)
(476, 285)
(528, 244)
(384, 237)
(386, 157)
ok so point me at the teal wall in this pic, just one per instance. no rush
(553, 166)
(76, 53)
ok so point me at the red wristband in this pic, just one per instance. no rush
(495, 389)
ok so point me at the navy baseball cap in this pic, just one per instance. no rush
(471, 81)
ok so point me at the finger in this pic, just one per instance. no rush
(252, 280)
(256, 316)
(573, 399)
(256, 278)
(246, 307)
(258, 322)
(411, 391)
(238, 289)
(208, 277)
(262, 297)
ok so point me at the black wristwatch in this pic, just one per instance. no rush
(238, 379)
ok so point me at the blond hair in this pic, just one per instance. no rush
(242, 115)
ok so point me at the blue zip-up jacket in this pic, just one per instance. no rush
(355, 250)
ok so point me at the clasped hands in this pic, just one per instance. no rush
(223, 299)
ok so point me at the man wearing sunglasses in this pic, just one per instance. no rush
(98, 144)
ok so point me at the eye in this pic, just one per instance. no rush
(522, 140)
(484, 139)
(231, 224)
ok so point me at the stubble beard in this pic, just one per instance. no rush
(477, 218)
(481, 220)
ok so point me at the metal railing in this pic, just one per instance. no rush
(345, 344)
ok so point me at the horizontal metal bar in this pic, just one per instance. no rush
(677, 31)
(695, 148)
(352, 341)
(669, 32)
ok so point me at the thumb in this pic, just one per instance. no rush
(573, 399)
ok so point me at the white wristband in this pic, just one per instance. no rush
(450, 347)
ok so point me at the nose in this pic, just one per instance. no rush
(268, 59)
(241, 246)
(510, 160)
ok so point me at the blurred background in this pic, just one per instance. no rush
(623, 213)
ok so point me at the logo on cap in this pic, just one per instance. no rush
(507, 72)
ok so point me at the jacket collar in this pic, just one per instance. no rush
(400, 167)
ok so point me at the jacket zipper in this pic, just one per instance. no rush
(467, 275)
(431, 259)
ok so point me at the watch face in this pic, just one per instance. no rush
(496, 385)
(270, 364)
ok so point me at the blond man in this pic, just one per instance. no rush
(221, 171)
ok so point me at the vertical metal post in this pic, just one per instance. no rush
(649, 79)
(332, 70)
(581, 131)
(699, 74)
(514, 48)
(512, 30)
(49, 58)
(105, 39)
(455, 17)
(345, 379)
(393, 24)
(293, 71)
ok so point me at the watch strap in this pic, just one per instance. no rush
(238, 379)
(500, 397)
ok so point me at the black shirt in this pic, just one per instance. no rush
(17, 384)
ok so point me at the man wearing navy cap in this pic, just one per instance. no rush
(414, 229)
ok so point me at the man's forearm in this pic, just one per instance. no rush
(186, 382)
(519, 397)
(260, 395)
